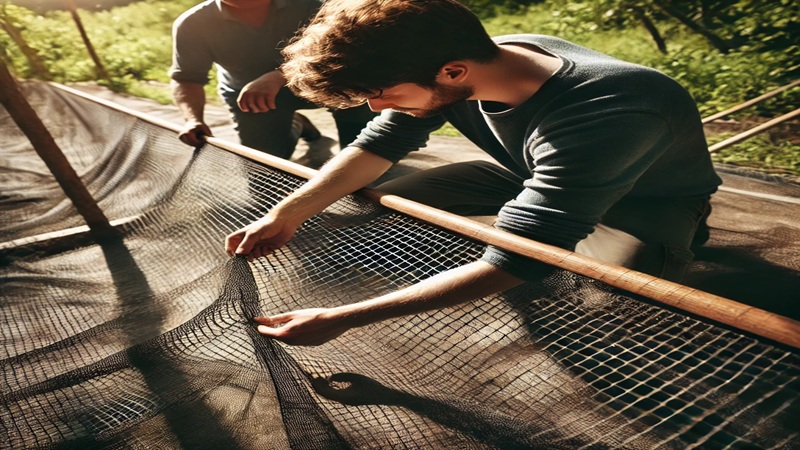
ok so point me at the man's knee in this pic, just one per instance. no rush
(268, 132)
(703, 233)
(617, 247)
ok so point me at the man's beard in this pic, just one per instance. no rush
(443, 98)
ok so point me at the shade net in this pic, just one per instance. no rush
(147, 341)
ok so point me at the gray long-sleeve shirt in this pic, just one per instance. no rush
(598, 132)
(208, 34)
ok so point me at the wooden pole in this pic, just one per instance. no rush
(753, 131)
(750, 319)
(26, 119)
(101, 70)
(751, 102)
(754, 320)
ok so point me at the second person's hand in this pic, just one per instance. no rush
(193, 133)
(259, 95)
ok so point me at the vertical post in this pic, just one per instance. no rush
(73, 10)
(29, 122)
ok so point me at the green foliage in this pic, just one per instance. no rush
(491, 8)
(134, 43)
(770, 152)
(757, 24)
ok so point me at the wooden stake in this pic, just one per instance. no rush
(753, 131)
(101, 70)
(26, 119)
(750, 102)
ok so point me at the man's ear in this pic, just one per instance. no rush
(453, 73)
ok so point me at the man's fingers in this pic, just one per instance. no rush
(273, 320)
(204, 132)
(232, 242)
(244, 103)
(267, 331)
(272, 326)
(190, 138)
(253, 103)
(195, 136)
(260, 104)
(247, 244)
(270, 100)
(239, 244)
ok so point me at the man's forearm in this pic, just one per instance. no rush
(319, 325)
(350, 170)
(460, 285)
(190, 98)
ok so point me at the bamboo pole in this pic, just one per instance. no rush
(26, 119)
(754, 320)
(751, 102)
(753, 131)
(747, 318)
(101, 70)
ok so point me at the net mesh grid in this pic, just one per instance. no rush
(148, 343)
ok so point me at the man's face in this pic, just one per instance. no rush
(418, 101)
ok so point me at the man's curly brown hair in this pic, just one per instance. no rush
(352, 49)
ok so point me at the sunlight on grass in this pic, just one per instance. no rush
(134, 43)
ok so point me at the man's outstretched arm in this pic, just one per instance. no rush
(319, 325)
(348, 171)
(190, 98)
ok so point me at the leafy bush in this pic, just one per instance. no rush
(770, 152)
(490, 8)
(134, 43)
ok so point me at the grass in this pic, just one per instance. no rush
(134, 43)
(768, 152)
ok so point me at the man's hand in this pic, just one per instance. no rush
(194, 133)
(259, 95)
(260, 238)
(303, 327)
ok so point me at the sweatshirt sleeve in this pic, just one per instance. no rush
(393, 135)
(581, 167)
(191, 59)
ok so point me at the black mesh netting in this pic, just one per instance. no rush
(147, 342)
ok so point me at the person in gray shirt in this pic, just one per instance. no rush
(243, 38)
(593, 154)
